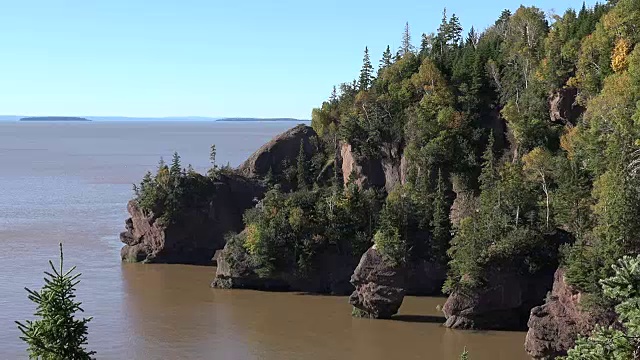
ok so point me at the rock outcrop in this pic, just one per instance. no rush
(425, 278)
(563, 108)
(502, 304)
(385, 172)
(367, 172)
(509, 293)
(380, 286)
(281, 153)
(555, 326)
(236, 270)
(197, 233)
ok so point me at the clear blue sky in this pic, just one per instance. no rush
(252, 58)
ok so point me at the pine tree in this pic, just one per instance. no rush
(472, 38)
(443, 30)
(406, 46)
(426, 45)
(302, 168)
(161, 164)
(440, 223)
(386, 58)
(213, 170)
(454, 33)
(334, 95)
(489, 176)
(57, 334)
(366, 73)
(176, 168)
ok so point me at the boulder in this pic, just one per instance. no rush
(563, 108)
(196, 233)
(379, 286)
(555, 326)
(279, 154)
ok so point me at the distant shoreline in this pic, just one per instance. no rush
(258, 120)
(54, 118)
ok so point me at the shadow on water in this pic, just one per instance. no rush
(419, 318)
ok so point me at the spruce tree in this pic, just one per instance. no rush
(406, 46)
(440, 223)
(426, 45)
(332, 99)
(176, 168)
(366, 73)
(443, 30)
(454, 35)
(386, 58)
(56, 334)
(301, 168)
(213, 170)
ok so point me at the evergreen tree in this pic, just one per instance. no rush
(302, 167)
(175, 168)
(386, 58)
(213, 170)
(454, 31)
(406, 46)
(472, 38)
(443, 31)
(440, 223)
(334, 95)
(366, 73)
(57, 334)
(426, 45)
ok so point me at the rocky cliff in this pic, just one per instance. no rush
(278, 155)
(198, 231)
(195, 235)
(555, 326)
(236, 270)
(386, 172)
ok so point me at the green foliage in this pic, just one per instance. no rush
(366, 73)
(213, 170)
(506, 231)
(172, 190)
(620, 342)
(286, 232)
(464, 355)
(56, 334)
(302, 168)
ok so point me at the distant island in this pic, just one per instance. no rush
(260, 119)
(54, 118)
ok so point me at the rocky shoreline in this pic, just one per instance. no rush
(508, 301)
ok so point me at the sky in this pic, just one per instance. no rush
(251, 58)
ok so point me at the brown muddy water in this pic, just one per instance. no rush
(69, 182)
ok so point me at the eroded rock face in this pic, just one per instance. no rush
(280, 153)
(386, 172)
(380, 286)
(563, 108)
(555, 326)
(368, 172)
(236, 270)
(425, 278)
(505, 300)
(197, 233)
(503, 304)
